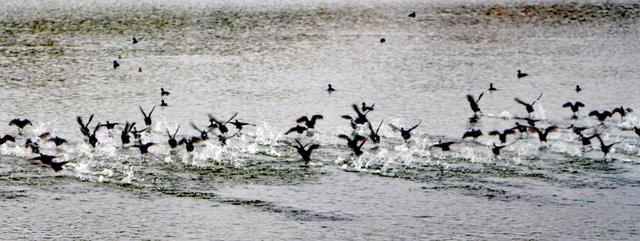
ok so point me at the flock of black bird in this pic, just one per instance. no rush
(354, 141)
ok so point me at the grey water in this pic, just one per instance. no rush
(270, 62)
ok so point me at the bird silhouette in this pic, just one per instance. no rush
(48, 160)
(84, 127)
(522, 74)
(7, 138)
(502, 136)
(352, 143)
(305, 153)
(445, 146)
(188, 142)
(147, 118)
(221, 125)
(144, 148)
(239, 125)
(543, 132)
(622, 111)
(405, 133)
(164, 92)
(57, 140)
(491, 88)
(203, 133)
(474, 103)
(115, 64)
(21, 124)
(366, 108)
(124, 135)
(473, 133)
(34, 146)
(412, 15)
(173, 143)
(309, 122)
(529, 106)
(330, 89)
(373, 134)
(601, 116)
(575, 107)
(578, 89)
(135, 41)
(298, 128)
(604, 147)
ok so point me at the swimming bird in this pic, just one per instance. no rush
(203, 133)
(622, 111)
(330, 89)
(605, 148)
(147, 118)
(222, 125)
(6, 138)
(57, 140)
(110, 125)
(502, 136)
(239, 125)
(309, 122)
(578, 89)
(445, 146)
(366, 108)
(139, 69)
(373, 134)
(34, 146)
(305, 153)
(382, 40)
(163, 104)
(574, 108)
(48, 160)
(405, 133)
(20, 123)
(298, 128)
(522, 74)
(135, 41)
(491, 88)
(144, 148)
(529, 106)
(164, 92)
(115, 64)
(473, 133)
(543, 132)
(412, 15)
(474, 103)
(602, 116)
(188, 142)
(173, 143)
(84, 127)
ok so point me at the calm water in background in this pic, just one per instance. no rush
(270, 62)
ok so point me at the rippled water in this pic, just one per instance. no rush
(271, 62)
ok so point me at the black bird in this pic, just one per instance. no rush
(522, 74)
(35, 147)
(502, 135)
(602, 116)
(144, 148)
(521, 128)
(406, 133)
(305, 153)
(124, 136)
(164, 92)
(352, 142)
(48, 160)
(473, 133)
(6, 138)
(203, 133)
(366, 108)
(529, 106)
(223, 139)
(309, 122)
(586, 140)
(574, 108)
(474, 103)
(445, 146)
(577, 130)
(382, 40)
(115, 64)
(222, 125)
(542, 132)
(330, 89)
(188, 142)
(20, 123)
(173, 143)
(622, 111)
(496, 149)
(147, 118)
(578, 89)
(605, 148)
(239, 125)
(491, 88)
(93, 140)
(135, 41)
(298, 128)
(361, 116)
(84, 127)
(412, 15)
(163, 104)
(57, 140)
(373, 134)
(109, 125)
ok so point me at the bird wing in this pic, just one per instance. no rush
(579, 104)
(550, 129)
(175, 133)
(534, 129)
(195, 127)
(152, 109)
(471, 100)
(211, 118)
(355, 107)
(535, 101)
(141, 110)
(393, 127)
(313, 147)
(348, 117)
(521, 102)
(493, 133)
(568, 104)
(416, 126)
(302, 119)
(317, 117)
(480, 97)
(343, 136)
(230, 119)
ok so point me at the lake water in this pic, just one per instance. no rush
(270, 62)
